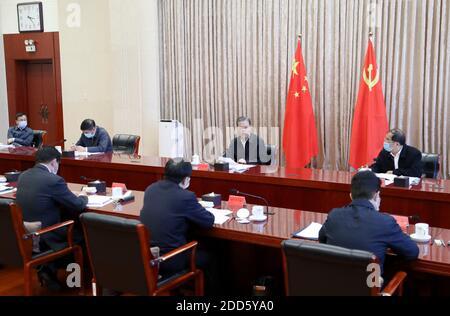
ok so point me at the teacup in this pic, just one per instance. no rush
(195, 159)
(422, 230)
(243, 213)
(258, 211)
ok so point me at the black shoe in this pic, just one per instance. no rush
(48, 279)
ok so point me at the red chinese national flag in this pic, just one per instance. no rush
(300, 134)
(370, 123)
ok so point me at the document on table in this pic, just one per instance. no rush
(84, 154)
(220, 216)
(98, 200)
(234, 166)
(310, 232)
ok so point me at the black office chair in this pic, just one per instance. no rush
(17, 248)
(269, 159)
(126, 144)
(319, 269)
(38, 138)
(271, 152)
(121, 260)
(431, 165)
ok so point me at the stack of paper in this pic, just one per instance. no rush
(240, 168)
(220, 216)
(99, 200)
(85, 154)
(310, 232)
(234, 166)
(6, 190)
(2, 146)
(388, 178)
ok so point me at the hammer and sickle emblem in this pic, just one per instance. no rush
(369, 81)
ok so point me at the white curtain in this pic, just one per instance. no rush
(224, 58)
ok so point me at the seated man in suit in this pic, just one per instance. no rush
(44, 197)
(361, 226)
(247, 148)
(398, 158)
(20, 135)
(170, 211)
(95, 139)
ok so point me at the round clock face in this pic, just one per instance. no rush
(30, 17)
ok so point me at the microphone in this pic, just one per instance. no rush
(237, 192)
(87, 179)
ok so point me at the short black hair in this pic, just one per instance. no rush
(87, 124)
(46, 154)
(20, 114)
(364, 185)
(398, 136)
(243, 119)
(177, 169)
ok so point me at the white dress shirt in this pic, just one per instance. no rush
(396, 158)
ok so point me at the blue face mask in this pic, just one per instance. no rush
(387, 147)
(89, 135)
(22, 124)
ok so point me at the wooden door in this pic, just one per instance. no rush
(34, 83)
(41, 99)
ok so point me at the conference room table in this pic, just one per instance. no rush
(309, 189)
(254, 249)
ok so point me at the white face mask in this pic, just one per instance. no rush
(376, 201)
(55, 167)
(185, 183)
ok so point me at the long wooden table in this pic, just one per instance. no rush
(258, 244)
(311, 189)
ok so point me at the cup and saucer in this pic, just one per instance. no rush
(258, 214)
(421, 233)
(242, 216)
(195, 160)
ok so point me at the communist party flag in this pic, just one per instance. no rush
(370, 123)
(300, 134)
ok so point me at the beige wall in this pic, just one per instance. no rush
(86, 67)
(109, 65)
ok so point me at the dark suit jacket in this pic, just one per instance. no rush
(101, 143)
(409, 162)
(22, 137)
(169, 212)
(359, 226)
(45, 197)
(255, 151)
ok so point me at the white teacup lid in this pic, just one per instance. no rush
(243, 213)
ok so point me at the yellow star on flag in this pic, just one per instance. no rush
(294, 67)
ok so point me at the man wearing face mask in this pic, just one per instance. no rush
(44, 197)
(95, 139)
(170, 211)
(21, 134)
(397, 157)
(247, 148)
(361, 226)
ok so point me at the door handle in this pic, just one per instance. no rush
(44, 113)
